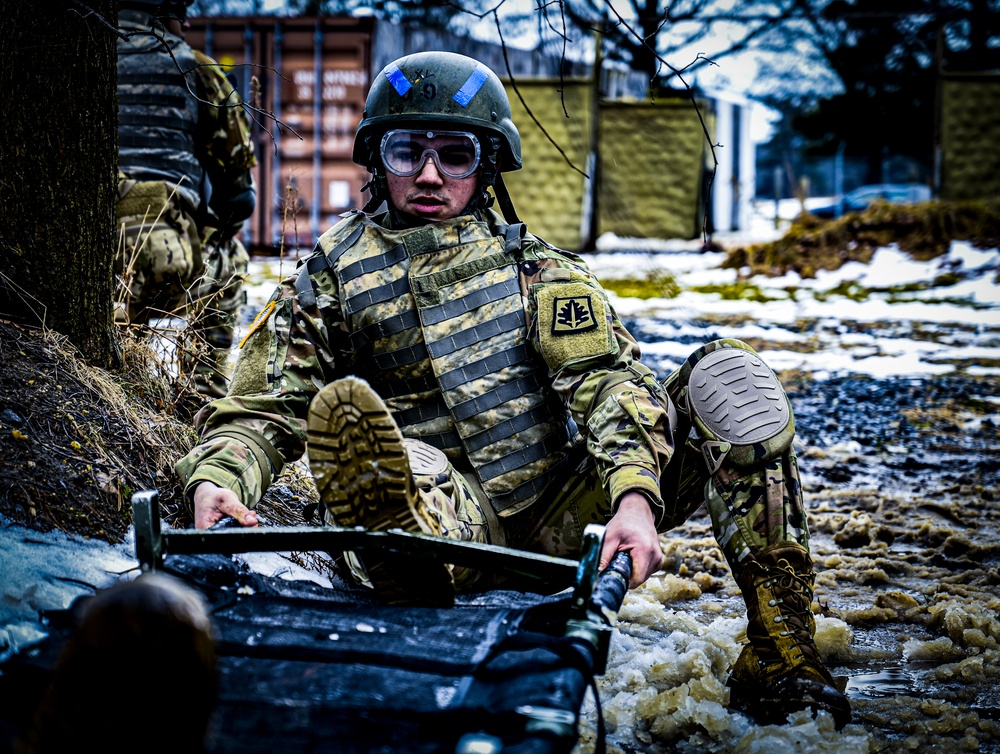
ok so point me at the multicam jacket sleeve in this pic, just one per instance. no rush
(612, 396)
(293, 351)
(290, 353)
(225, 141)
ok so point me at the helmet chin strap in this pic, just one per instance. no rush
(491, 176)
(379, 189)
(504, 200)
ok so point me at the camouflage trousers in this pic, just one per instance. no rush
(168, 267)
(753, 506)
(217, 299)
(159, 257)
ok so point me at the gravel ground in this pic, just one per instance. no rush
(901, 480)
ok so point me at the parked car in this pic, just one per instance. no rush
(858, 199)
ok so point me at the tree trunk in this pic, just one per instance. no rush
(58, 167)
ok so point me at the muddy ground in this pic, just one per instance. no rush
(902, 480)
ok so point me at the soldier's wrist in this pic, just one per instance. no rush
(650, 492)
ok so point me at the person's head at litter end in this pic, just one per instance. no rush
(435, 133)
(171, 13)
(138, 673)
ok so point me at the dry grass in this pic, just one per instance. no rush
(923, 230)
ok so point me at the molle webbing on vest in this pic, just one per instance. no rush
(384, 328)
(402, 357)
(394, 256)
(150, 119)
(423, 412)
(446, 441)
(496, 397)
(508, 428)
(531, 490)
(450, 309)
(479, 369)
(158, 111)
(177, 142)
(404, 386)
(379, 295)
(448, 316)
(153, 78)
(480, 332)
(523, 456)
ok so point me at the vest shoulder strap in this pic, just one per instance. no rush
(319, 261)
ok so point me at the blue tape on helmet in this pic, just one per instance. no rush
(398, 79)
(472, 85)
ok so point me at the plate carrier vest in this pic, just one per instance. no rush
(157, 114)
(438, 329)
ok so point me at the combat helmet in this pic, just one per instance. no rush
(446, 90)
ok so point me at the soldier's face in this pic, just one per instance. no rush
(431, 194)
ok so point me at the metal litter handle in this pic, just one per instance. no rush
(153, 543)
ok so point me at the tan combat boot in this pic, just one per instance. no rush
(358, 459)
(780, 670)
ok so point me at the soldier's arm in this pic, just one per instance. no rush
(225, 145)
(614, 398)
(247, 437)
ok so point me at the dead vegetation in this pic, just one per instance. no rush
(923, 230)
(77, 441)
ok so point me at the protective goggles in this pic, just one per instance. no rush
(405, 152)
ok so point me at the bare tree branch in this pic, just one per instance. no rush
(697, 109)
(520, 97)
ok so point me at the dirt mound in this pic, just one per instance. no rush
(923, 230)
(76, 442)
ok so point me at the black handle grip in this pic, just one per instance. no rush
(226, 522)
(612, 583)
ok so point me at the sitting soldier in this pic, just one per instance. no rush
(453, 375)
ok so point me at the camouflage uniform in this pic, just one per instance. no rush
(184, 188)
(602, 422)
(493, 369)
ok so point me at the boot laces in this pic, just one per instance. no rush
(793, 595)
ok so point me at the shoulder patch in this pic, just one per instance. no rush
(573, 314)
(573, 324)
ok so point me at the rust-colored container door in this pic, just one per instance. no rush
(312, 74)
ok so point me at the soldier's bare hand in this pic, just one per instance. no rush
(632, 529)
(213, 503)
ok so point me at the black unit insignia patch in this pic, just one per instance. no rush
(572, 315)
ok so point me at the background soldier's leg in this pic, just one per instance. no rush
(159, 253)
(743, 426)
(217, 298)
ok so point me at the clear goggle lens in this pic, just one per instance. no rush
(405, 152)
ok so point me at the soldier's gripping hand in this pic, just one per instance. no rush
(213, 503)
(633, 530)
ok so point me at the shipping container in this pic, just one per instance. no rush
(305, 81)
